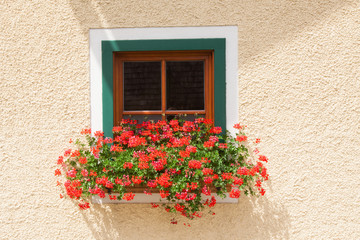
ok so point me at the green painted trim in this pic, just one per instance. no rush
(216, 44)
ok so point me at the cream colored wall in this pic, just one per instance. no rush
(299, 91)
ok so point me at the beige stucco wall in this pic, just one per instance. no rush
(299, 91)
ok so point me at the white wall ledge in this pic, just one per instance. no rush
(155, 198)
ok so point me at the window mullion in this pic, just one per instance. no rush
(163, 88)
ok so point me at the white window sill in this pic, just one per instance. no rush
(155, 198)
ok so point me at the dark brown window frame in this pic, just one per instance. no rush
(120, 57)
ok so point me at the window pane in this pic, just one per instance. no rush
(142, 118)
(142, 86)
(185, 85)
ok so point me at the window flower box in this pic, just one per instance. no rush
(187, 163)
(142, 195)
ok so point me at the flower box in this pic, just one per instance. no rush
(187, 163)
(154, 197)
(142, 198)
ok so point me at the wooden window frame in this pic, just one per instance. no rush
(120, 57)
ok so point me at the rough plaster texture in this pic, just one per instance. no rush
(299, 90)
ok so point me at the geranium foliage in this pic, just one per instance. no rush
(187, 162)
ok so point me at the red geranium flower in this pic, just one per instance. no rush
(164, 194)
(226, 176)
(86, 131)
(238, 126)
(57, 172)
(235, 193)
(241, 138)
(195, 164)
(216, 130)
(112, 197)
(153, 205)
(128, 196)
(191, 149)
(99, 134)
(83, 160)
(263, 158)
(84, 206)
(60, 160)
(128, 165)
(207, 171)
(223, 145)
(136, 179)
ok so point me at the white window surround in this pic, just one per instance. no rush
(230, 33)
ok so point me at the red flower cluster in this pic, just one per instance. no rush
(60, 160)
(57, 172)
(135, 141)
(210, 203)
(86, 131)
(83, 160)
(235, 193)
(208, 180)
(137, 179)
(191, 149)
(84, 206)
(116, 148)
(164, 194)
(152, 183)
(243, 171)
(263, 158)
(216, 130)
(128, 196)
(128, 165)
(226, 176)
(179, 207)
(207, 171)
(193, 186)
(195, 164)
(241, 138)
(71, 173)
(99, 134)
(222, 145)
(153, 205)
(209, 144)
(112, 197)
(73, 189)
(205, 190)
(237, 181)
(164, 180)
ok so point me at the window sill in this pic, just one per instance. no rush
(155, 198)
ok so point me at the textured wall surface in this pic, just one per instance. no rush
(299, 91)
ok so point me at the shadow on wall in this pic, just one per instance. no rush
(251, 218)
(261, 24)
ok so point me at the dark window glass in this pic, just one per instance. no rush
(185, 85)
(142, 86)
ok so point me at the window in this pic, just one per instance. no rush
(111, 49)
(161, 84)
(220, 40)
